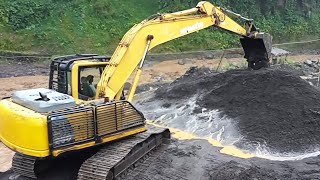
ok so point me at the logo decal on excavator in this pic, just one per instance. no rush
(192, 28)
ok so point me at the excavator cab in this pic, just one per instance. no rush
(77, 75)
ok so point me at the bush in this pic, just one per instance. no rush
(103, 8)
(21, 14)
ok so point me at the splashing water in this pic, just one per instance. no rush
(262, 151)
(213, 124)
(204, 124)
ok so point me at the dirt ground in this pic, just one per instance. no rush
(8, 85)
(5, 158)
(20, 77)
(188, 159)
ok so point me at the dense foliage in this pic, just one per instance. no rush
(69, 26)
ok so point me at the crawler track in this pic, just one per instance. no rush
(114, 159)
(24, 165)
(109, 162)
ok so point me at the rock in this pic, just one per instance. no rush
(182, 61)
(208, 55)
(159, 78)
(278, 52)
(308, 62)
(166, 105)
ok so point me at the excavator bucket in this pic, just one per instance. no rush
(257, 50)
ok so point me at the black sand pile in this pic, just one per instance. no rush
(272, 107)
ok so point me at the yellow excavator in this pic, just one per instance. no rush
(85, 105)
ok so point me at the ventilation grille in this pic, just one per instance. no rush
(117, 116)
(71, 126)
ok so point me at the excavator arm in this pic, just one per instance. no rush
(131, 51)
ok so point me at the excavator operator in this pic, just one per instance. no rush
(88, 88)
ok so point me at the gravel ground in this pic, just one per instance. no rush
(11, 69)
(197, 159)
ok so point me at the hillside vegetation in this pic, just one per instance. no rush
(96, 26)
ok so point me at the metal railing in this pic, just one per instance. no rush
(71, 126)
(117, 116)
(80, 124)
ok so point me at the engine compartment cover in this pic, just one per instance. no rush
(43, 100)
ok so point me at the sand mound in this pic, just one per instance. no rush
(275, 108)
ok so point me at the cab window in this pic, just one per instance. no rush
(88, 79)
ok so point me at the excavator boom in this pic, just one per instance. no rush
(161, 28)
